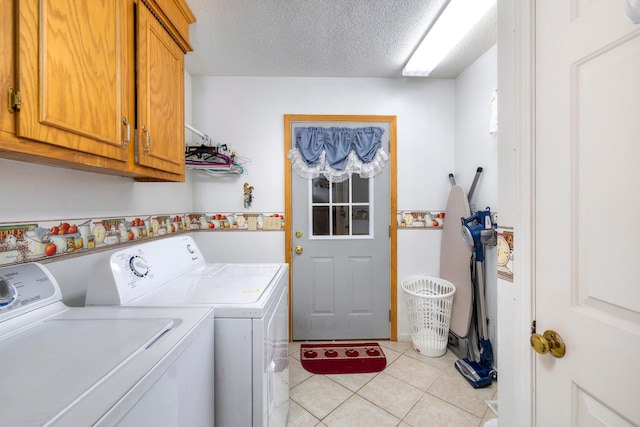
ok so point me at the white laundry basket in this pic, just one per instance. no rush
(429, 301)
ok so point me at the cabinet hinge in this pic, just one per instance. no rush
(14, 100)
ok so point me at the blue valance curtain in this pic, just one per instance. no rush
(337, 152)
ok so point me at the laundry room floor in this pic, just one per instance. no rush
(412, 391)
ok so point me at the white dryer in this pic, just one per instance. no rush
(99, 366)
(251, 308)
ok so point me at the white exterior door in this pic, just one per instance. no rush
(341, 254)
(587, 196)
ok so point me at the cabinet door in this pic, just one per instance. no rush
(70, 74)
(160, 89)
(7, 68)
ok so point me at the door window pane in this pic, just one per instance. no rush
(360, 221)
(340, 192)
(320, 220)
(360, 189)
(320, 190)
(340, 220)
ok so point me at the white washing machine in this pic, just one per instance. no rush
(251, 319)
(99, 366)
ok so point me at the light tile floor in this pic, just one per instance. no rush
(412, 391)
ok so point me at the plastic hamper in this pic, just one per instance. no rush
(429, 301)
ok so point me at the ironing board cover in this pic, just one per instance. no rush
(455, 257)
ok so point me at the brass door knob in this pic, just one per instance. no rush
(549, 342)
(298, 249)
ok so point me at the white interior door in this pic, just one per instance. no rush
(586, 199)
(341, 268)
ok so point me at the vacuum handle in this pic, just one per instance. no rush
(466, 221)
(480, 290)
(473, 185)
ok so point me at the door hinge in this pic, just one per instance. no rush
(389, 316)
(14, 100)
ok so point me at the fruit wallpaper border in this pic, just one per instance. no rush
(420, 219)
(38, 240)
(53, 239)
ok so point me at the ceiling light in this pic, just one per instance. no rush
(454, 23)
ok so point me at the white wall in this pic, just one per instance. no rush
(248, 114)
(241, 246)
(476, 147)
(37, 192)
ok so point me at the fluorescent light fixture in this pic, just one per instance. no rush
(459, 17)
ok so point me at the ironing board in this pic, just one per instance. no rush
(455, 258)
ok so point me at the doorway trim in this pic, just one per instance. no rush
(516, 68)
(393, 199)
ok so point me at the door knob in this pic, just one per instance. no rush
(298, 249)
(549, 342)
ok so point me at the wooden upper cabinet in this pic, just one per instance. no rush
(89, 75)
(72, 77)
(160, 100)
(7, 69)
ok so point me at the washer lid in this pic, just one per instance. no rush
(53, 364)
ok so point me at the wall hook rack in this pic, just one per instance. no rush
(214, 160)
(205, 138)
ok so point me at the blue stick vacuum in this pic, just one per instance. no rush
(479, 230)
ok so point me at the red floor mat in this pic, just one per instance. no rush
(342, 358)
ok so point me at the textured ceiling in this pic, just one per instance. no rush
(328, 38)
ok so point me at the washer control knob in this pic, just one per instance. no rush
(7, 292)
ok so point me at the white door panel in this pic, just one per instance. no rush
(587, 196)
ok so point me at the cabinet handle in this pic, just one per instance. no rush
(126, 123)
(147, 145)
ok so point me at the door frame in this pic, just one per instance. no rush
(516, 85)
(393, 199)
